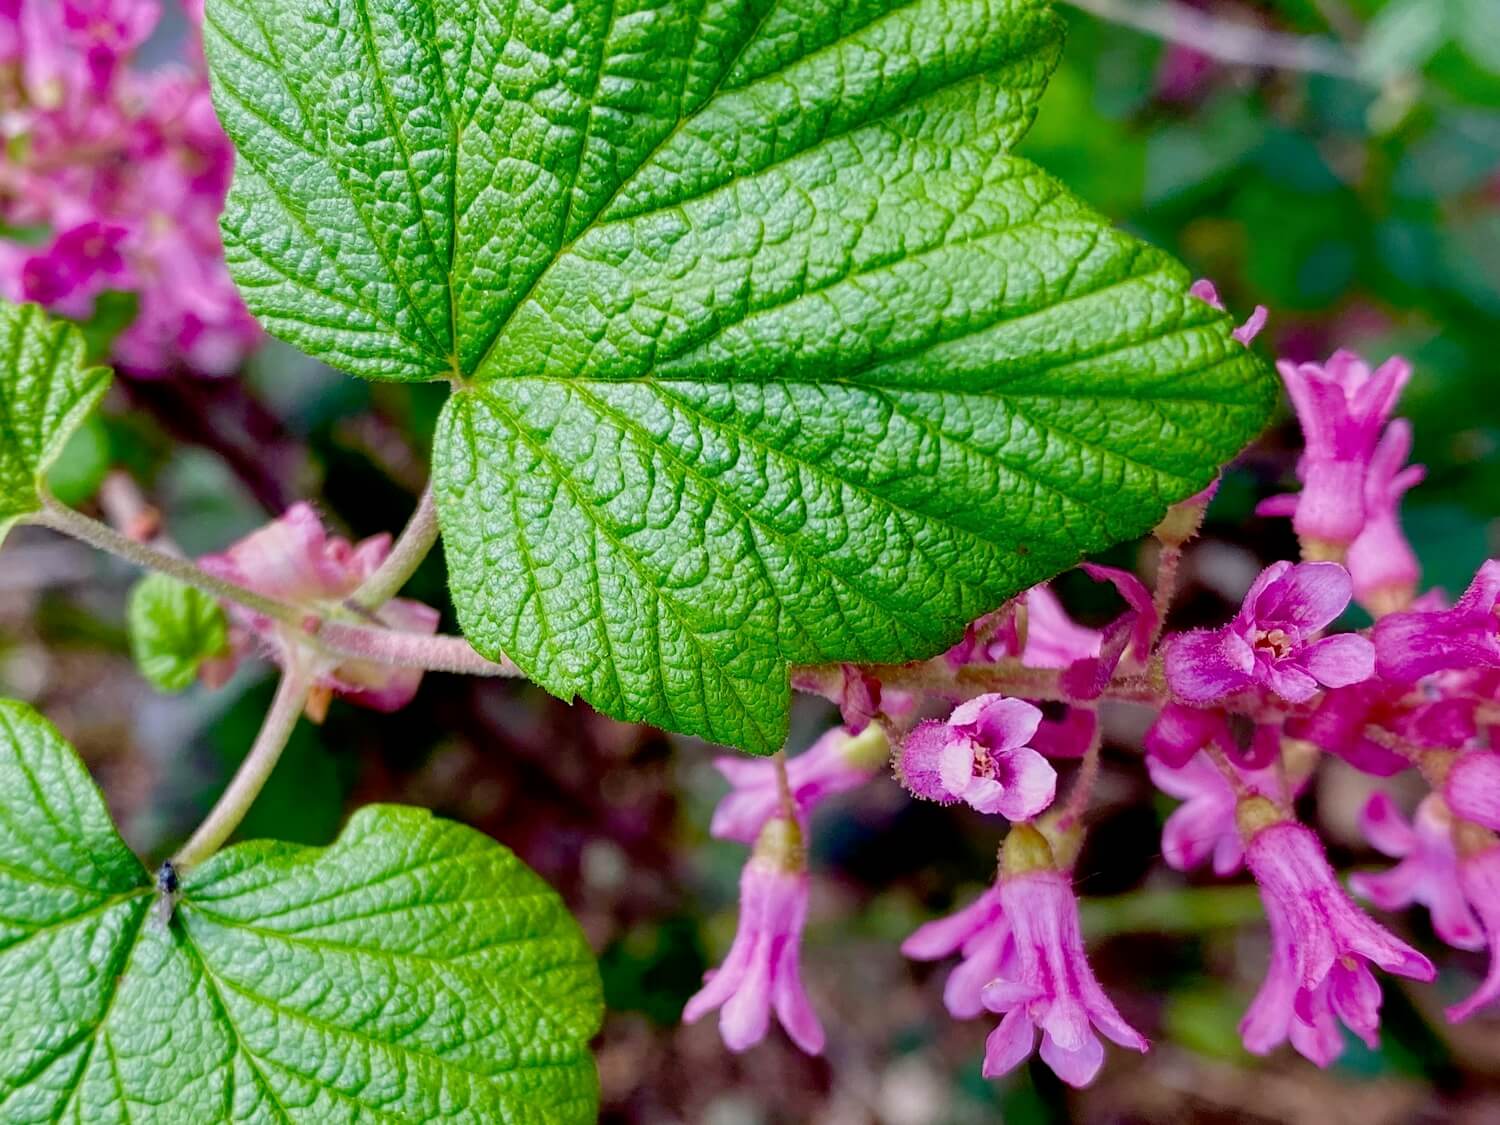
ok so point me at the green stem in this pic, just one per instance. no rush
(276, 729)
(60, 518)
(413, 546)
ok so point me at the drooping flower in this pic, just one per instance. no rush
(981, 935)
(762, 972)
(1207, 292)
(1322, 944)
(836, 763)
(1180, 731)
(295, 560)
(1049, 985)
(1338, 723)
(1273, 641)
(1420, 642)
(1428, 871)
(979, 755)
(1479, 877)
(1204, 824)
(1342, 406)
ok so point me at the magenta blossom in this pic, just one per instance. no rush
(836, 763)
(1207, 292)
(294, 560)
(1053, 639)
(980, 755)
(1428, 871)
(762, 973)
(1479, 877)
(1419, 642)
(1180, 731)
(1381, 562)
(1337, 724)
(1472, 788)
(1322, 945)
(1273, 640)
(982, 936)
(1050, 986)
(1343, 406)
(1204, 825)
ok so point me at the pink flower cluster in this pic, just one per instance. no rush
(121, 173)
(1242, 714)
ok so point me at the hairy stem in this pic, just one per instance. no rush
(61, 518)
(1083, 783)
(414, 545)
(275, 730)
(1241, 44)
(784, 787)
(441, 653)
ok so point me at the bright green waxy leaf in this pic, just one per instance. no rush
(412, 972)
(173, 630)
(765, 350)
(45, 392)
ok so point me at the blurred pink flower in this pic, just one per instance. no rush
(294, 560)
(836, 763)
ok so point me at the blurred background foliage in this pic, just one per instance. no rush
(1362, 206)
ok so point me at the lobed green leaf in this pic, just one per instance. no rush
(414, 971)
(766, 350)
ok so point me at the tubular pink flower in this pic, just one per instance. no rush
(1381, 562)
(1180, 731)
(1338, 724)
(1273, 640)
(1343, 406)
(1207, 292)
(1321, 947)
(1479, 877)
(1053, 639)
(1050, 987)
(1428, 871)
(982, 936)
(980, 755)
(293, 559)
(762, 972)
(1420, 642)
(836, 763)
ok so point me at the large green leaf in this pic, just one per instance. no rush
(414, 971)
(765, 349)
(45, 392)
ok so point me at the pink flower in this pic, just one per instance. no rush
(762, 972)
(1342, 406)
(863, 697)
(1207, 292)
(836, 763)
(980, 755)
(1418, 642)
(1338, 724)
(1204, 824)
(980, 933)
(294, 560)
(1380, 561)
(1479, 877)
(1321, 946)
(1049, 985)
(1053, 639)
(1273, 641)
(1428, 871)
(1472, 788)
(1180, 731)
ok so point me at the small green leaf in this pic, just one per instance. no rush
(45, 392)
(414, 971)
(767, 351)
(173, 630)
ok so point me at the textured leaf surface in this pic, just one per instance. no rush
(412, 972)
(173, 630)
(766, 350)
(45, 392)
